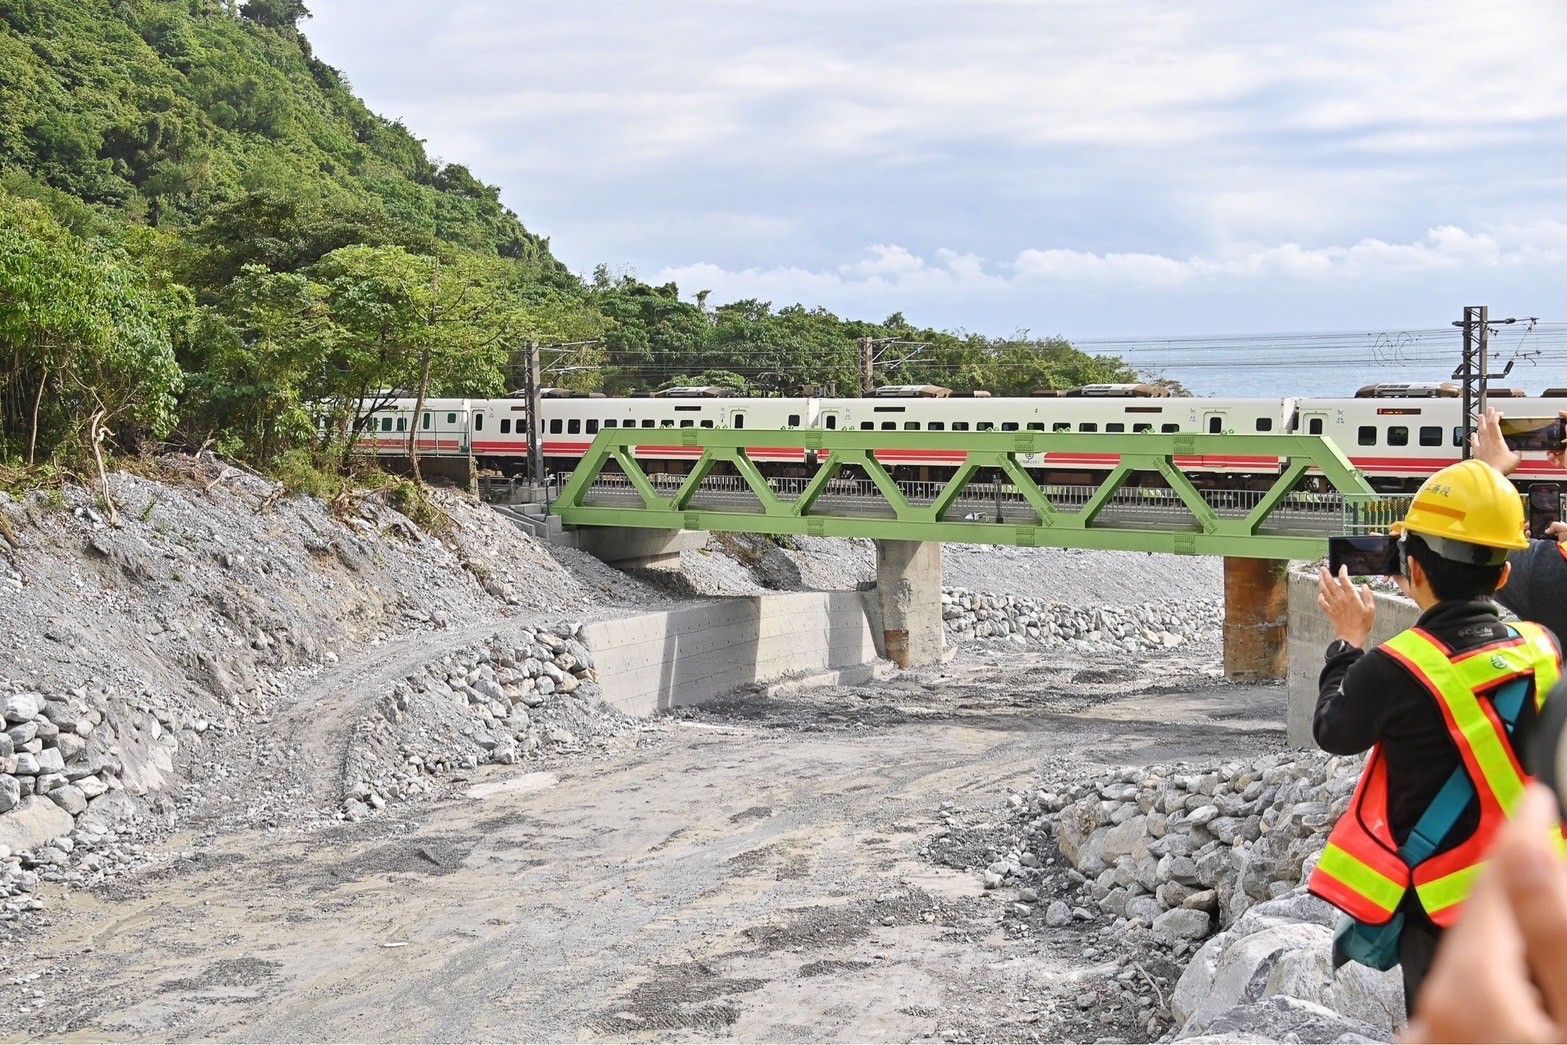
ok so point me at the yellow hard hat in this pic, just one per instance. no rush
(1467, 512)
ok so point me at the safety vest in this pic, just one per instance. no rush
(1361, 871)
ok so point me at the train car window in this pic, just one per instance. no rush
(1314, 426)
(794, 420)
(554, 426)
(1144, 427)
(739, 421)
(505, 426)
(478, 421)
(911, 426)
(1061, 426)
(386, 424)
(1215, 425)
(832, 421)
(686, 422)
(1168, 428)
(1430, 435)
(985, 426)
(667, 422)
(1367, 436)
(1398, 435)
(936, 426)
(888, 426)
(1088, 426)
(593, 425)
(960, 426)
(707, 422)
(402, 424)
(426, 424)
(1115, 426)
(647, 422)
(1458, 435)
(1264, 424)
(1036, 426)
(612, 423)
(868, 426)
(574, 426)
(1009, 426)
(451, 419)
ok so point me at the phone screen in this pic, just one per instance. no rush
(1364, 556)
(1545, 507)
(1525, 434)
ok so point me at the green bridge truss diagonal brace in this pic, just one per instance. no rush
(1206, 534)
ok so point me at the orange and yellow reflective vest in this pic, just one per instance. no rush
(1361, 872)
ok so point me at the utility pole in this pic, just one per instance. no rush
(1474, 371)
(867, 365)
(531, 386)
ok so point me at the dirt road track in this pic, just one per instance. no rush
(753, 874)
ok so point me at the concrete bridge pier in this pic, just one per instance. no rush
(908, 592)
(1256, 619)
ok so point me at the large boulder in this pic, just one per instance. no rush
(1282, 1019)
(33, 822)
(1282, 948)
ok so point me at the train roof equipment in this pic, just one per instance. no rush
(912, 392)
(1409, 390)
(1120, 390)
(695, 392)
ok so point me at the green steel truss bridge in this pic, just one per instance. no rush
(1146, 503)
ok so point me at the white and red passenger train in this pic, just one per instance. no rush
(1396, 434)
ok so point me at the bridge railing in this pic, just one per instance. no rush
(1147, 502)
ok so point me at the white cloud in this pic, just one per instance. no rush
(1148, 145)
(883, 267)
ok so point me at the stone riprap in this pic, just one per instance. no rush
(1210, 862)
(497, 702)
(1149, 626)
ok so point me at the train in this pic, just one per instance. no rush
(1396, 434)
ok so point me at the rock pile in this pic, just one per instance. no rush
(58, 756)
(1211, 862)
(1165, 839)
(498, 701)
(978, 615)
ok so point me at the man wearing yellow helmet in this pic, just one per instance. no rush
(1441, 707)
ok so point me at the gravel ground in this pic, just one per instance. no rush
(807, 867)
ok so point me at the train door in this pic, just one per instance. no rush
(1313, 422)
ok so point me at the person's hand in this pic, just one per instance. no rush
(1557, 532)
(1501, 972)
(1352, 611)
(1489, 446)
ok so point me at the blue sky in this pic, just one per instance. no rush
(1081, 167)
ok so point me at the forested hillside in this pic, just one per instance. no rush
(204, 234)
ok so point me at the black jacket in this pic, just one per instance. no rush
(1537, 589)
(1368, 697)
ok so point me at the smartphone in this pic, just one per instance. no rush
(1525, 434)
(1545, 507)
(1364, 556)
(1545, 755)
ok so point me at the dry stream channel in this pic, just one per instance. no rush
(787, 868)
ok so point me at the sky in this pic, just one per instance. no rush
(1086, 168)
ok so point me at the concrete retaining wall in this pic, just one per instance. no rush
(689, 655)
(1309, 635)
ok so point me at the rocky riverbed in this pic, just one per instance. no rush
(235, 687)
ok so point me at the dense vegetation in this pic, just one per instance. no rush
(204, 235)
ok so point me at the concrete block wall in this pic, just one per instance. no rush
(1309, 635)
(657, 661)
